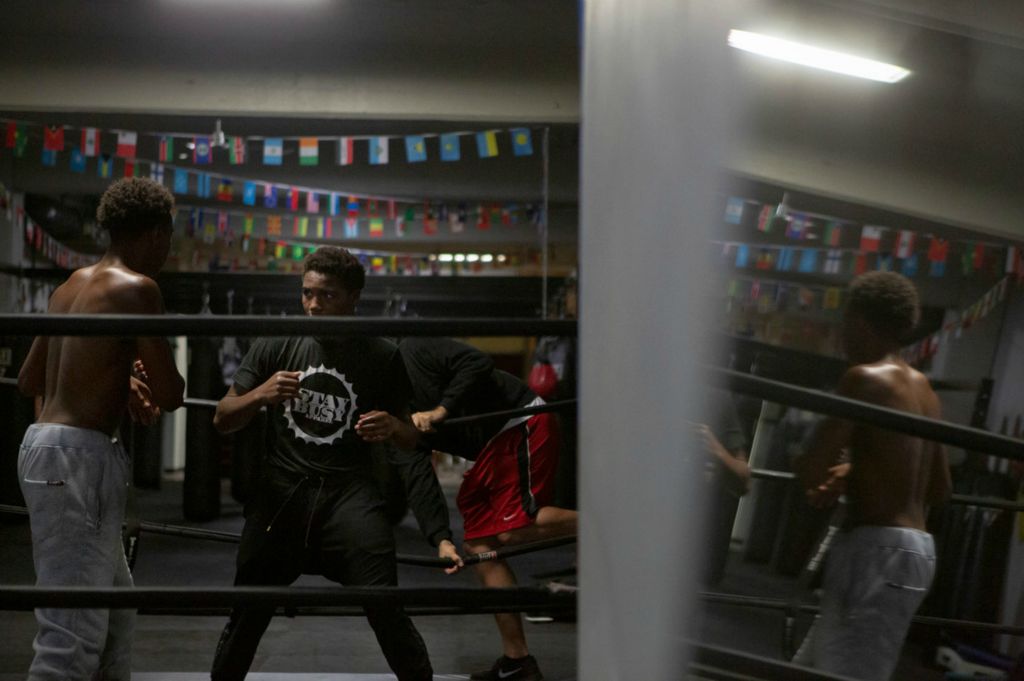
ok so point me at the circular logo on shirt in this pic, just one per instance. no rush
(325, 406)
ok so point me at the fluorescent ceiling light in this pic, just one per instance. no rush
(445, 257)
(816, 57)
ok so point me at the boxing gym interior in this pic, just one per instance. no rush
(645, 212)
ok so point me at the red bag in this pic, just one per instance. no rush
(543, 380)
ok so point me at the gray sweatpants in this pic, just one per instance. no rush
(75, 483)
(875, 579)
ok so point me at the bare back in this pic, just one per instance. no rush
(894, 476)
(87, 378)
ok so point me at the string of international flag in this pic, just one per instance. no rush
(877, 247)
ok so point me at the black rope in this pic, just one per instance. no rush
(820, 402)
(468, 600)
(784, 605)
(260, 325)
(963, 499)
(560, 405)
(403, 558)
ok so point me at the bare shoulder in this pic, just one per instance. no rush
(130, 292)
(867, 381)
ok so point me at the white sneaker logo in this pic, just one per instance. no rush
(506, 519)
(502, 674)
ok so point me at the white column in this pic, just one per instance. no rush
(652, 123)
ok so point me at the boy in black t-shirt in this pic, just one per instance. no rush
(317, 504)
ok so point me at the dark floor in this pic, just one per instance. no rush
(322, 646)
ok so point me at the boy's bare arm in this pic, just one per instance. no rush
(32, 376)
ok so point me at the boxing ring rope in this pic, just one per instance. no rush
(258, 325)
(188, 597)
(964, 499)
(403, 558)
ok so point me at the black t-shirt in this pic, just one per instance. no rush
(342, 378)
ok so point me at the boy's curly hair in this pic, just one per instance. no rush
(134, 204)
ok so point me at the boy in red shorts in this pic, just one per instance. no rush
(505, 497)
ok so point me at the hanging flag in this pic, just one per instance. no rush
(1013, 260)
(247, 224)
(49, 158)
(137, 168)
(351, 228)
(225, 190)
(884, 262)
(764, 218)
(303, 226)
(202, 152)
(483, 217)
(180, 181)
(486, 144)
(309, 151)
(335, 204)
(415, 149)
(126, 141)
(293, 198)
(320, 228)
(937, 268)
(371, 207)
(392, 210)
(784, 263)
(53, 138)
(249, 193)
(269, 196)
(870, 238)
(938, 250)
(129, 167)
(222, 222)
(742, 255)
(329, 229)
(450, 147)
(860, 263)
(831, 298)
(378, 151)
(765, 259)
(522, 143)
(376, 227)
(312, 202)
(967, 260)
(273, 225)
(797, 225)
(105, 165)
(12, 135)
(203, 185)
(979, 255)
(17, 137)
(90, 141)
(279, 249)
(455, 225)
(833, 234)
(909, 267)
(808, 260)
(273, 151)
(353, 206)
(344, 151)
(156, 173)
(734, 210)
(904, 243)
(236, 150)
(77, 161)
(400, 225)
(833, 261)
(166, 151)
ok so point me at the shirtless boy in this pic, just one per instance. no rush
(880, 569)
(72, 469)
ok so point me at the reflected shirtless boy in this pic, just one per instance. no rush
(73, 471)
(879, 570)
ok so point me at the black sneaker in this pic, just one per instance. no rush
(511, 669)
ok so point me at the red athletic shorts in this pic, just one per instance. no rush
(513, 477)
